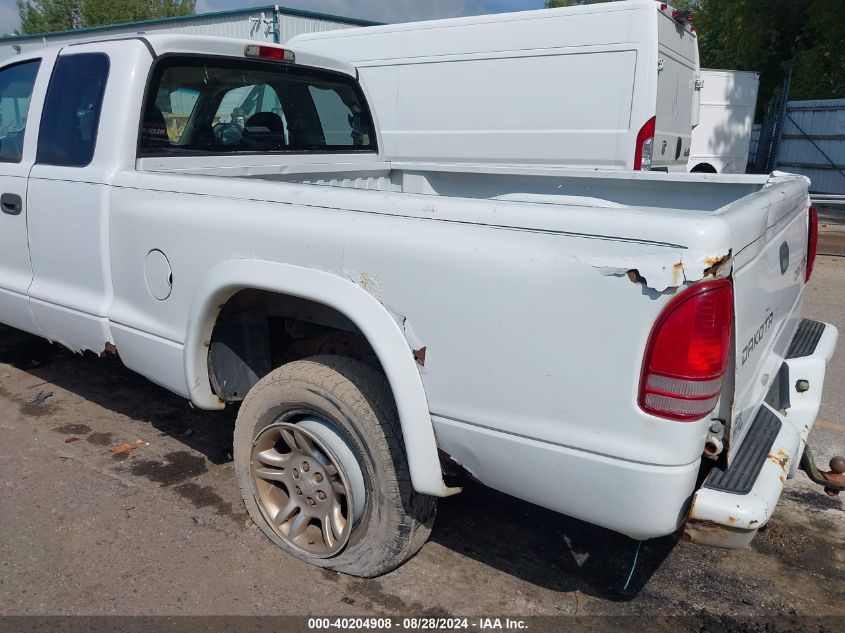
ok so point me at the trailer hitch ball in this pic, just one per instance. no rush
(836, 474)
(832, 481)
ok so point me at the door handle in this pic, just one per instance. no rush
(11, 203)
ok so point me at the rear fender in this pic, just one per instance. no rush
(364, 310)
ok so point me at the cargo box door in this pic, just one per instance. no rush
(677, 71)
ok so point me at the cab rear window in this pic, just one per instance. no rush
(220, 106)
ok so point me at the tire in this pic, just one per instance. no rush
(353, 402)
(703, 168)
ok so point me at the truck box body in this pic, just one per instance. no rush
(721, 139)
(572, 86)
(517, 313)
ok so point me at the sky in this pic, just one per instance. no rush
(379, 10)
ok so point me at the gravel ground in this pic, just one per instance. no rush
(161, 529)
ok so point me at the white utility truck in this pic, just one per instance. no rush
(622, 347)
(609, 85)
(721, 139)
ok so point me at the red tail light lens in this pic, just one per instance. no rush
(645, 146)
(687, 353)
(812, 242)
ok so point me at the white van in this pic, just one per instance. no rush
(720, 142)
(606, 86)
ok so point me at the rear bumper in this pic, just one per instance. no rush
(642, 501)
(733, 504)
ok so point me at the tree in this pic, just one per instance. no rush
(771, 37)
(45, 16)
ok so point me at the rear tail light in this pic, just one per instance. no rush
(269, 52)
(645, 146)
(812, 242)
(687, 353)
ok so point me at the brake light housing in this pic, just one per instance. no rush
(687, 353)
(644, 148)
(812, 242)
(273, 53)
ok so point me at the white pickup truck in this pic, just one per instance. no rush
(621, 347)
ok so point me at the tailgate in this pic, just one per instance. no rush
(770, 229)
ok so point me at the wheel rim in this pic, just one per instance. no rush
(303, 487)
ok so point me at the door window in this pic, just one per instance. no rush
(16, 84)
(68, 133)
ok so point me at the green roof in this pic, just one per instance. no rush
(11, 39)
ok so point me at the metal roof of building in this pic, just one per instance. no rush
(93, 30)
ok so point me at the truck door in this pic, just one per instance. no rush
(17, 151)
(68, 205)
(677, 111)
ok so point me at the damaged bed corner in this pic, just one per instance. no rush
(663, 271)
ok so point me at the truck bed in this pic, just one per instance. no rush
(513, 183)
(665, 229)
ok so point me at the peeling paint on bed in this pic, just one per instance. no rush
(661, 271)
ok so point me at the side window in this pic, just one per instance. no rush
(341, 120)
(227, 106)
(71, 116)
(16, 84)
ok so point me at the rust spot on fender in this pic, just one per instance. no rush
(712, 264)
(419, 355)
(732, 520)
(109, 349)
(698, 530)
(678, 274)
(716, 261)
